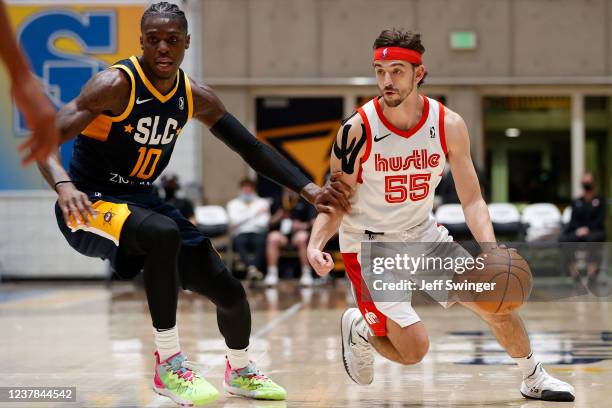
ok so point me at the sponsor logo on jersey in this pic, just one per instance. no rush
(418, 159)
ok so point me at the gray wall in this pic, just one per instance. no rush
(318, 43)
(333, 38)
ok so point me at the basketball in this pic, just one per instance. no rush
(511, 276)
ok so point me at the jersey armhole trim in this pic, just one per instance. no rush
(366, 154)
(130, 105)
(441, 128)
(189, 97)
(99, 128)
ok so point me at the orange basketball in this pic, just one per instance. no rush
(512, 280)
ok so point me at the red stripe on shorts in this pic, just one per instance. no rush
(374, 317)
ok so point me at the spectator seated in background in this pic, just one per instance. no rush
(446, 192)
(291, 222)
(248, 216)
(171, 185)
(587, 224)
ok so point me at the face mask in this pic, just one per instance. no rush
(587, 186)
(247, 197)
(170, 193)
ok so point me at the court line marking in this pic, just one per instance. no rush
(159, 400)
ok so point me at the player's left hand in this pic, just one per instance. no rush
(40, 118)
(321, 262)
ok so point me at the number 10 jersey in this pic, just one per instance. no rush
(126, 153)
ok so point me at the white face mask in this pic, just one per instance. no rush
(247, 197)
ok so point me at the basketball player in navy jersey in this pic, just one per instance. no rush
(393, 153)
(126, 121)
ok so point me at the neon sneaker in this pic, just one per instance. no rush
(175, 379)
(252, 383)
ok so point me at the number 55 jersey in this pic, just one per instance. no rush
(399, 171)
(126, 153)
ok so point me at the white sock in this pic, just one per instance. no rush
(527, 364)
(238, 358)
(272, 270)
(167, 342)
(306, 270)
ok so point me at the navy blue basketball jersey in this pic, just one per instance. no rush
(126, 153)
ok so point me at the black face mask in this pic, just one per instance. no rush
(587, 186)
(170, 193)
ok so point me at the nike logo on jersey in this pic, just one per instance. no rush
(139, 101)
(377, 139)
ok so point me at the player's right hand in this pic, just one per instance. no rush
(75, 204)
(320, 261)
(39, 116)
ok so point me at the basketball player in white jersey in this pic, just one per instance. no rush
(393, 153)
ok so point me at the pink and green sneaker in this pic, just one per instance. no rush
(252, 383)
(175, 379)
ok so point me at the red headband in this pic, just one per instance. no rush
(397, 53)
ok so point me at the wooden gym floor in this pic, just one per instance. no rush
(99, 339)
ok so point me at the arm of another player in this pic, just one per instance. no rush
(466, 182)
(108, 90)
(209, 110)
(345, 160)
(29, 97)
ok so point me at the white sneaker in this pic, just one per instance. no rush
(271, 279)
(356, 350)
(543, 386)
(306, 279)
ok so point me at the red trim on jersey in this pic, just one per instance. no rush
(373, 317)
(368, 149)
(397, 53)
(441, 128)
(403, 133)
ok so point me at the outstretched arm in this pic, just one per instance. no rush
(209, 110)
(29, 97)
(466, 182)
(349, 147)
(109, 90)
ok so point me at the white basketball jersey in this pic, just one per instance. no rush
(399, 170)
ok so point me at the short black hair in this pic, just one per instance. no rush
(164, 9)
